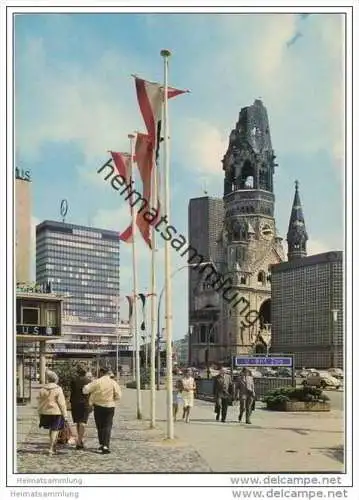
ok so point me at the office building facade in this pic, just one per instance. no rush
(308, 310)
(83, 263)
(22, 225)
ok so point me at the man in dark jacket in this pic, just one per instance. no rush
(223, 394)
(80, 407)
(245, 394)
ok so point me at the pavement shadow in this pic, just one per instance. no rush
(213, 422)
(32, 451)
(297, 430)
(336, 453)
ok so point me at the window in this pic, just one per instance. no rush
(30, 315)
(261, 277)
(51, 317)
(203, 332)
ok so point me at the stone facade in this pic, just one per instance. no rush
(250, 241)
(247, 246)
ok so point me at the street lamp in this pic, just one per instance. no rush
(159, 312)
(268, 337)
(169, 348)
(145, 347)
(332, 350)
(189, 357)
(210, 331)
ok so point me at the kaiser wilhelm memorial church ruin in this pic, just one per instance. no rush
(239, 235)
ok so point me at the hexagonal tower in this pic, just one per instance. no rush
(249, 240)
(297, 235)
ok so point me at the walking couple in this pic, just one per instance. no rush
(101, 395)
(226, 391)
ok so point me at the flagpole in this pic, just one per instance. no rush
(135, 331)
(132, 330)
(168, 288)
(153, 305)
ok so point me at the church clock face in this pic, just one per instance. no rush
(266, 231)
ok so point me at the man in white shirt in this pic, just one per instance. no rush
(104, 393)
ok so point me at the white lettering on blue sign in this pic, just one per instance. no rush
(263, 361)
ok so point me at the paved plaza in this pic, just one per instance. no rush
(275, 442)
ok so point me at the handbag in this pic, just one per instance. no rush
(65, 434)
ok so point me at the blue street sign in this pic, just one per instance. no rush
(263, 361)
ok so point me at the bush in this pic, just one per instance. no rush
(306, 394)
(145, 377)
(66, 371)
(145, 380)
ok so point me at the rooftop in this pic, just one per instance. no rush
(321, 258)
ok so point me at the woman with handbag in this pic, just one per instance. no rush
(52, 409)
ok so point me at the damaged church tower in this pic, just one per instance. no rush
(250, 243)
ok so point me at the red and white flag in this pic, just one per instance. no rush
(130, 307)
(150, 100)
(145, 164)
(122, 164)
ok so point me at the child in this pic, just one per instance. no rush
(176, 395)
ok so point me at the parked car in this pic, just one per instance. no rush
(336, 372)
(284, 372)
(322, 379)
(268, 372)
(306, 371)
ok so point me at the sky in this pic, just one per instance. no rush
(75, 100)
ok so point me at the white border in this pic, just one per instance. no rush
(158, 479)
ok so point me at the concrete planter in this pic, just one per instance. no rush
(301, 406)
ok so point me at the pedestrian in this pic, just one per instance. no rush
(246, 394)
(188, 388)
(177, 397)
(80, 406)
(52, 409)
(104, 393)
(223, 394)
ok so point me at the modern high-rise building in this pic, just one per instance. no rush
(84, 263)
(22, 225)
(308, 310)
(205, 222)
